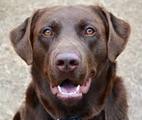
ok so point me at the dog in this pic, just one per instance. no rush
(72, 51)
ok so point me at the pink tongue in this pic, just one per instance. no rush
(68, 88)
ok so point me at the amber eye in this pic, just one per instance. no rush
(47, 32)
(90, 31)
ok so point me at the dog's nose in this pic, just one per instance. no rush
(67, 62)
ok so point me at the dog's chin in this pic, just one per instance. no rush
(70, 93)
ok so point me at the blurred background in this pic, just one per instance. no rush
(15, 74)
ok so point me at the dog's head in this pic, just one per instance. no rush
(68, 47)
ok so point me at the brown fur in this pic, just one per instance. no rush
(106, 98)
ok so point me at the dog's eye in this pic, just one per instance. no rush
(90, 31)
(47, 32)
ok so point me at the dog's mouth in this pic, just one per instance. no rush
(68, 91)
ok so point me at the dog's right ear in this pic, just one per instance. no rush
(21, 39)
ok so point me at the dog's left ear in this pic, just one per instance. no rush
(118, 33)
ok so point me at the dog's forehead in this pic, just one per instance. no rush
(71, 12)
(68, 14)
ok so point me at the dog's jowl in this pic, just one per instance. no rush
(72, 51)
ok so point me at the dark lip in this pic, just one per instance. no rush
(69, 91)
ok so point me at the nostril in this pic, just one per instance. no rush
(74, 62)
(92, 73)
(66, 62)
(60, 63)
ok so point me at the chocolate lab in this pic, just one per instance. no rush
(72, 51)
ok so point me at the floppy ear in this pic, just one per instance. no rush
(21, 40)
(118, 32)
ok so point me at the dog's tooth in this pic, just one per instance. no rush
(59, 88)
(78, 88)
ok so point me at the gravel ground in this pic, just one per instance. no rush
(14, 73)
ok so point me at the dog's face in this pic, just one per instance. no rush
(73, 43)
(68, 46)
